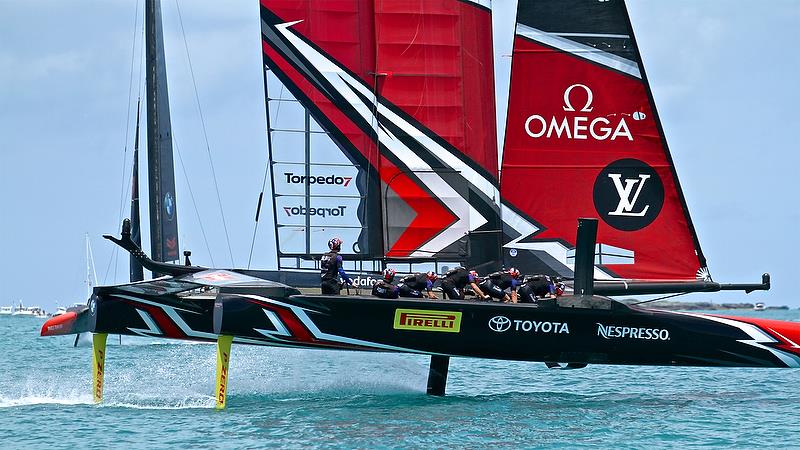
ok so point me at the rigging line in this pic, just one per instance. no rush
(194, 203)
(123, 190)
(127, 184)
(660, 298)
(108, 267)
(268, 166)
(374, 124)
(205, 135)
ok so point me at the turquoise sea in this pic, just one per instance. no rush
(159, 395)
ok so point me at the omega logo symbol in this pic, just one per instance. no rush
(579, 124)
(589, 97)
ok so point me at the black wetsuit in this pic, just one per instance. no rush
(454, 282)
(538, 286)
(331, 270)
(413, 285)
(384, 289)
(495, 285)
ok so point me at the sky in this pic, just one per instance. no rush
(723, 74)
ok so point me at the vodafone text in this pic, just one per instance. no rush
(364, 281)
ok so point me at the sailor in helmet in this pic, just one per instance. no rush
(415, 284)
(455, 280)
(332, 269)
(537, 287)
(384, 288)
(497, 283)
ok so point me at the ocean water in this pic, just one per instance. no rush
(159, 395)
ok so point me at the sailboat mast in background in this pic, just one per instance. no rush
(163, 212)
(91, 275)
(136, 270)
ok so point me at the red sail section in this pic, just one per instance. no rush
(582, 140)
(343, 30)
(429, 62)
(436, 57)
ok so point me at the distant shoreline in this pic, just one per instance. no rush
(701, 306)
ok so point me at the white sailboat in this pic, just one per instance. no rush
(90, 281)
(29, 311)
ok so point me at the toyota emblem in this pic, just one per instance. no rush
(499, 323)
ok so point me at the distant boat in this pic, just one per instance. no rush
(29, 311)
(59, 311)
(6, 310)
(759, 307)
(21, 310)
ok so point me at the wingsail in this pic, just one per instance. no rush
(397, 98)
(405, 164)
(583, 139)
(161, 170)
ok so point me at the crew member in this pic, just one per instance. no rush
(476, 279)
(496, 284)
(332, 269)
(559, 286)
(415, 284)
(536, 287)
(455, 280)
(384, 288)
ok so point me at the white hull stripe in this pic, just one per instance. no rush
(172, 314)
(276, 322)
(300, 313)
(152, 328)
(758, 338)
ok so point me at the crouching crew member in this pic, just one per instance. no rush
(559, 286)
(384, 288)
(496, 284)
(415, 284)
(455, 280)
(536, 287)
(332, 269)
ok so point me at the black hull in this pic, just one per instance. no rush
(590, 330)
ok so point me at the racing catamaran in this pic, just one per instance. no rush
(382, 130)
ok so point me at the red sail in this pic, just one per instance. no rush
(405, 89)
(583, 139)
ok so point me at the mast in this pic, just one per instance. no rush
(91, 276)
(163, 212)
(136, 270)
